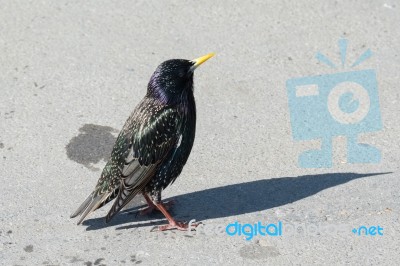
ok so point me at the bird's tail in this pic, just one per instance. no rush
(121, 202)
(102, 194)
(91, 203)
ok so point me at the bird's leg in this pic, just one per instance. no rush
(172, 223)
(151, 207)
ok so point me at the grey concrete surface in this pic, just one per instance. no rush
(72, 71)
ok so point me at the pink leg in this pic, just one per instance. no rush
(151, 207)
(172, 223)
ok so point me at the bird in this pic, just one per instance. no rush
(152, 147)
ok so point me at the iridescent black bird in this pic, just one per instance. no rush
(153, 146)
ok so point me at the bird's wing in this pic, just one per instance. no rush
(151, 141)
(144, 141)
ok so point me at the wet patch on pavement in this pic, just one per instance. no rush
(93, 144)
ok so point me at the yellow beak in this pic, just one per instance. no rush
(198, 61)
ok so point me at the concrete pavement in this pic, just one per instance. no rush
(72, 71)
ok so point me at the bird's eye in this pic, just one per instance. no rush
(181, 73)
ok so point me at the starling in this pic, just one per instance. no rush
(153, 146)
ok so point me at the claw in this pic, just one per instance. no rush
(164, 207)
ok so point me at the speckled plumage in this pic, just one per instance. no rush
(154, 144)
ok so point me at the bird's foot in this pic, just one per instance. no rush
(182, 226)
(172, 223)
(151, 207)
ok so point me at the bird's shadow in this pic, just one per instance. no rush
(236, 199)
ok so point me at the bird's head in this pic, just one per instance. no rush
(174, 77)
